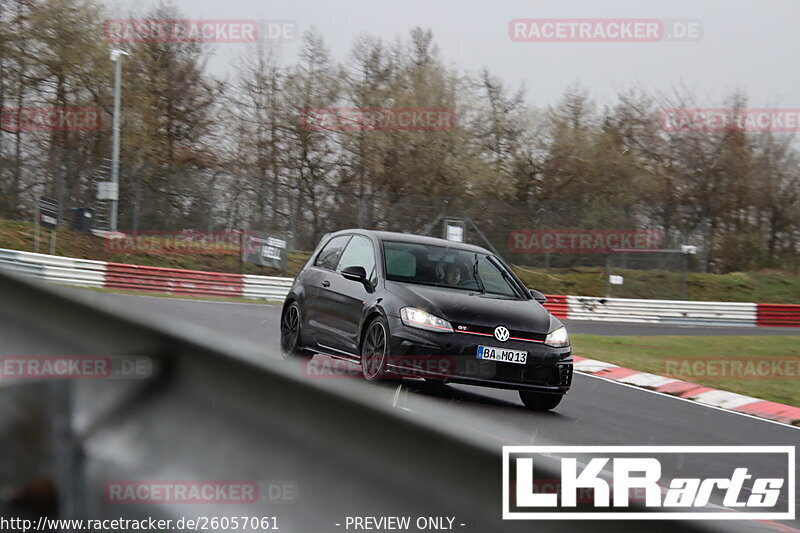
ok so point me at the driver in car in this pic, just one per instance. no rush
(453, 275)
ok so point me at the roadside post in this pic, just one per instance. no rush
(47, 217)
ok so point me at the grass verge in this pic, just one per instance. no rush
(674, 356)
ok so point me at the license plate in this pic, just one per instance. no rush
(503, 355)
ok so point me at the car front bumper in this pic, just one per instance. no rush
(453, 357)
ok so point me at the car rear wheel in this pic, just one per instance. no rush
(539, 401)
(290, 333)
(375, 350)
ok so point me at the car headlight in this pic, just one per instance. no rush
(557, 338)
(417, 318)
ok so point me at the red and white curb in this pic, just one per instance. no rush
(731, 401)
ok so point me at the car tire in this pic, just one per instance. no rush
(375, 350)
(290, 333)
(539, 401)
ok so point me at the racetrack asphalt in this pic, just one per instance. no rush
(596, 412)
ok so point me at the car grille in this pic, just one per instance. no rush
(488, 331)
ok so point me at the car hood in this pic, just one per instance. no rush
(462, 307)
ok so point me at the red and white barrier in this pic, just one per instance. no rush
(86, 273)
(786, 315)
(173, 281)
(557, 305)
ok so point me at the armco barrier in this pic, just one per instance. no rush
(557, 305)
(266, 287)
(661, 311)
(53, 268)
(87, 273)
(786, 315)
(82, 272)
(172, 281)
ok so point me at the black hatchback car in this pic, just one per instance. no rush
(411, 306)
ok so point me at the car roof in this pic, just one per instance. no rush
(416, 239)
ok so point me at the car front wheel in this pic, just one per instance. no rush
(375, 350)
(539, 401)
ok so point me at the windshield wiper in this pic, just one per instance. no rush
(513, 284)
(476, 276)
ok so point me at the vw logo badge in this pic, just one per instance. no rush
(501, 333)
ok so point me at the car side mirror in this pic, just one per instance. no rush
(538, 296)
(355, 273)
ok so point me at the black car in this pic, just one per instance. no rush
(406, 305)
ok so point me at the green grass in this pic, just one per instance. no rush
(658, 354)
(17, 235)
(765, 287)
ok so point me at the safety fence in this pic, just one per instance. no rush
(82, 272)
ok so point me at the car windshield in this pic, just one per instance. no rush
(453, 268)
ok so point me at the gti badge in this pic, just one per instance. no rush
(501, 333)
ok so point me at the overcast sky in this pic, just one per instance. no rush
(752, 45)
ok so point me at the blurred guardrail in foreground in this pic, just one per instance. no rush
(214, 408)
(81, 272)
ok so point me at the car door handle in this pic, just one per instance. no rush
(326, 283)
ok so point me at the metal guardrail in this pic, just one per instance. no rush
(52, 268)
(784, 315)
(216, 409)
(86, 273)
(662, 311)
(172, 281)
(266, 287)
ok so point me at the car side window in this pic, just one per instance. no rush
(359, 252)
(331, 253)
